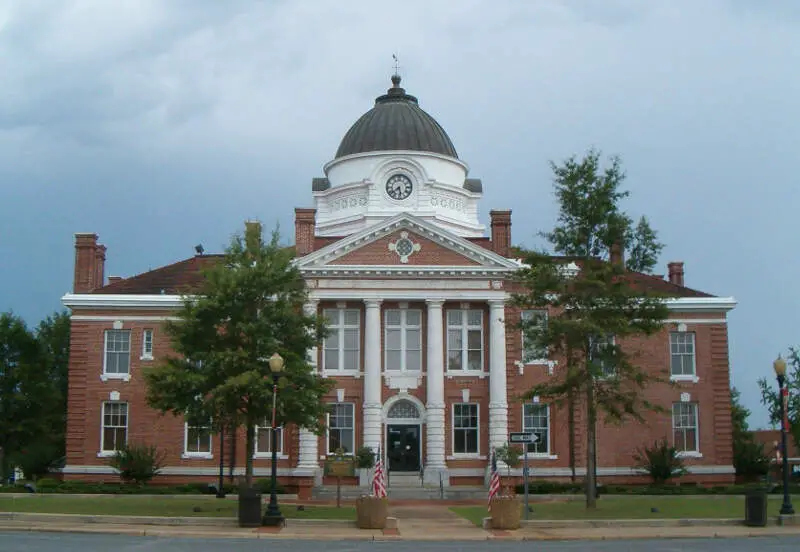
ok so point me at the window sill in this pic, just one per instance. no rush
(146, 357)
(197, 456)
(347, 454)
(685, 379)
(268, 456)
(348, 373)
(106, 453)
(466, 374)
(690, 454)
(123, 377)
(466, 457)
(541, 456)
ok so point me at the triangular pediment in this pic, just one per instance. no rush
(405, 241)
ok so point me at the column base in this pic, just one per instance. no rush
(433, 476)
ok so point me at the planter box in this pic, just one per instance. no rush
(506, 512)
(371, 512)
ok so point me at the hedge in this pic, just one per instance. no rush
(53, 486)
(550, 487)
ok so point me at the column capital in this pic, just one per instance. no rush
(434, 303)
(373, 303)
(497, 303)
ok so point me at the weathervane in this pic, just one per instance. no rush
(396, 64)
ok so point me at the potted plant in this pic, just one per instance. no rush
(364, 462)
(505, 506)
(372, 510)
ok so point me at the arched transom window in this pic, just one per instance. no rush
(403, 410)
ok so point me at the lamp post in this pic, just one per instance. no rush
(273, 517)
(780, 371)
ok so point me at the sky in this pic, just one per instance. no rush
(161, 124)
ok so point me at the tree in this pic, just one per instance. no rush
(770, 396)
(749, 457)
(249, 307)
(592, 305)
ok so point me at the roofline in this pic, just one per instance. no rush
(169, 302)
(377, 153)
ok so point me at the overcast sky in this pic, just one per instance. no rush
(160, 124)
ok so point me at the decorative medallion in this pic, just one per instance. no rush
(404, 247)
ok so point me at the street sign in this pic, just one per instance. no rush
(523, 437)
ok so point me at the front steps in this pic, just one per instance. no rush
(405, 486)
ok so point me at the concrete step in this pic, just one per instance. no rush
(328, 492)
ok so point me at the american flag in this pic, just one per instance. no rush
(494, 481)
(378, 480)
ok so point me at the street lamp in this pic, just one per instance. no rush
(780, 371)
(273, 517)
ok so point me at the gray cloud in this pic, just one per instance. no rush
(163, 123)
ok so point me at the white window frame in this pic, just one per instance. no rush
(106, 375)
(453, 429)
(147, 344)
(465, 328)
(197, 454)
(268, 428)
(524, 315)
(609, 340)
(109, 453)
(328, 450)
(404, 327)
(696, 413)
(547, 453)
(673, 343)
(339, 327)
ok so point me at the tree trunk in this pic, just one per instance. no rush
(233, 435)
(571, 430)
(591, 457)
(249, 448)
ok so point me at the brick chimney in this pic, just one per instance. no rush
(501, 231)
(100, 266)
(617, 255)
(305, 221)
(85, 263)
(675, 273)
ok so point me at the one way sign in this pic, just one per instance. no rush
(523, 437)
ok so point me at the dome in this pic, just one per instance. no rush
(396, 123)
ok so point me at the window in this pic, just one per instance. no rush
(197, 440)
(603, 352)
(264, 438)
(684, 427)
(465, 340)
(341, 346)
(403, 340)
(465, 428)
(536, 419)
(114, 434)
(147, 345)
(117, 352)
(534, 321)
(682, 359)
(341, 428)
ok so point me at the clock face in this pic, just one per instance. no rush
(399, 186)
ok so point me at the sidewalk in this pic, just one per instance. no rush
(414, 524)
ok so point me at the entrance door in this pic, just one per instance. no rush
(403, 447)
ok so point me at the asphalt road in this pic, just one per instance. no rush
(63, 542)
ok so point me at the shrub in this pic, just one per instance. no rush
(750, 460)
(661, 462)
(365, 458)
(264, 486)
(511, 455)
(137, 463)
(47, 483)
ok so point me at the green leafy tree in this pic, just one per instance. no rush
(249, 307)
(32, 393)
(770, 396)
(593, 308)
(749, 457)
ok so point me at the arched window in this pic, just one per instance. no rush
(403, 410)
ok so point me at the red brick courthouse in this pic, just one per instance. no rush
(416, 295)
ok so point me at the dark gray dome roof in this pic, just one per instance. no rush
(396, 123)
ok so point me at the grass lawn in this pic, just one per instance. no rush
(156, 506)
(635, 507)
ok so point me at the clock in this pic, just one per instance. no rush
(399, 186)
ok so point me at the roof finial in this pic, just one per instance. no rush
(396, 76)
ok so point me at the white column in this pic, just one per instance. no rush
(435, 458)
(372, 375)
(498, 391)
(308, 457)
